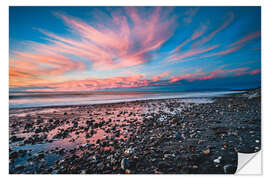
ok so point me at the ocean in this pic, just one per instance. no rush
(43, 99)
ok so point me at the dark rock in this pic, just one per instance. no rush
(19, 168)
(13, 155)
(124, 163)
(229, 169)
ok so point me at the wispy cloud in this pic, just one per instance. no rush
(203, 76)
(247, 38)
(209, 37)
(224, 52)
(119, 45)
(159, 77)
(189, 14)
(126, 47)
(190, 53)
(127, 42)
(136, 80)
(198, 33)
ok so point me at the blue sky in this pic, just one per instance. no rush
(134, 48)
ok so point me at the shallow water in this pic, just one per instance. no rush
(22, 100)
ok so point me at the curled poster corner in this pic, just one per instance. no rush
(249, 163)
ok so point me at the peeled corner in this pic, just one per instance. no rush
(249, 164)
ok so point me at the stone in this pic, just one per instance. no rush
(206, 151)
(163, 165)
(13, 155)
(127, 171)
(169, 155)
(177, 136)
(18, 168)
(228, 169)
(129, 151)
(217, 160)
(124, 163)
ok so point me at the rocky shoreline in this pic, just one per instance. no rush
(167, 136)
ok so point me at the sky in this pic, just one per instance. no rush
(134, 48)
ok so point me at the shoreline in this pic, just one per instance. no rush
(132, 100)
(138, 137)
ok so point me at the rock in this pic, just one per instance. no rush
(100, 165)
(217, 160)
(129, 151)
(13, 155)
(185, 170)
(127, 171)
(18, 168)
(163, 165)
(111, 159)
(124, 163)
(15, 139)
(200, 141)
(229, 169)
(169, 155)
(83, 171)
(177, 135)
(195, 157)
(206, 151)
(55, 171)
(22, 152)
(253, 95)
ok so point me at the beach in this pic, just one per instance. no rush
(155, 136)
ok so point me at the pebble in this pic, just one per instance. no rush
(127, 171)
(129, 151)
(183, 145)
(124, 163)
(217, 160)
(228, 169)
(206, 151)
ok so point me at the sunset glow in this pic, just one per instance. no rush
(134, 48)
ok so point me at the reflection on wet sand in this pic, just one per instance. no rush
(153, 136)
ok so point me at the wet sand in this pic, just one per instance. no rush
(175, 136)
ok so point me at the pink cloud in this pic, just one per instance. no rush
(203, 76)
(189, 14)
(95, 83)
(212, 34)
(136, 80)
(105, 44)
(225, 52)
(221, 73)
(256, 71)
(247, 38)
(159, 77)
(33, 68)
(189, 76)
(127, 42)
(190, 53)
(198, 33)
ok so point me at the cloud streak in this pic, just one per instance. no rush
(213, 33)
(132, 47)
(129, 41)
(205, 76)
(247, 38)
(190, 53)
